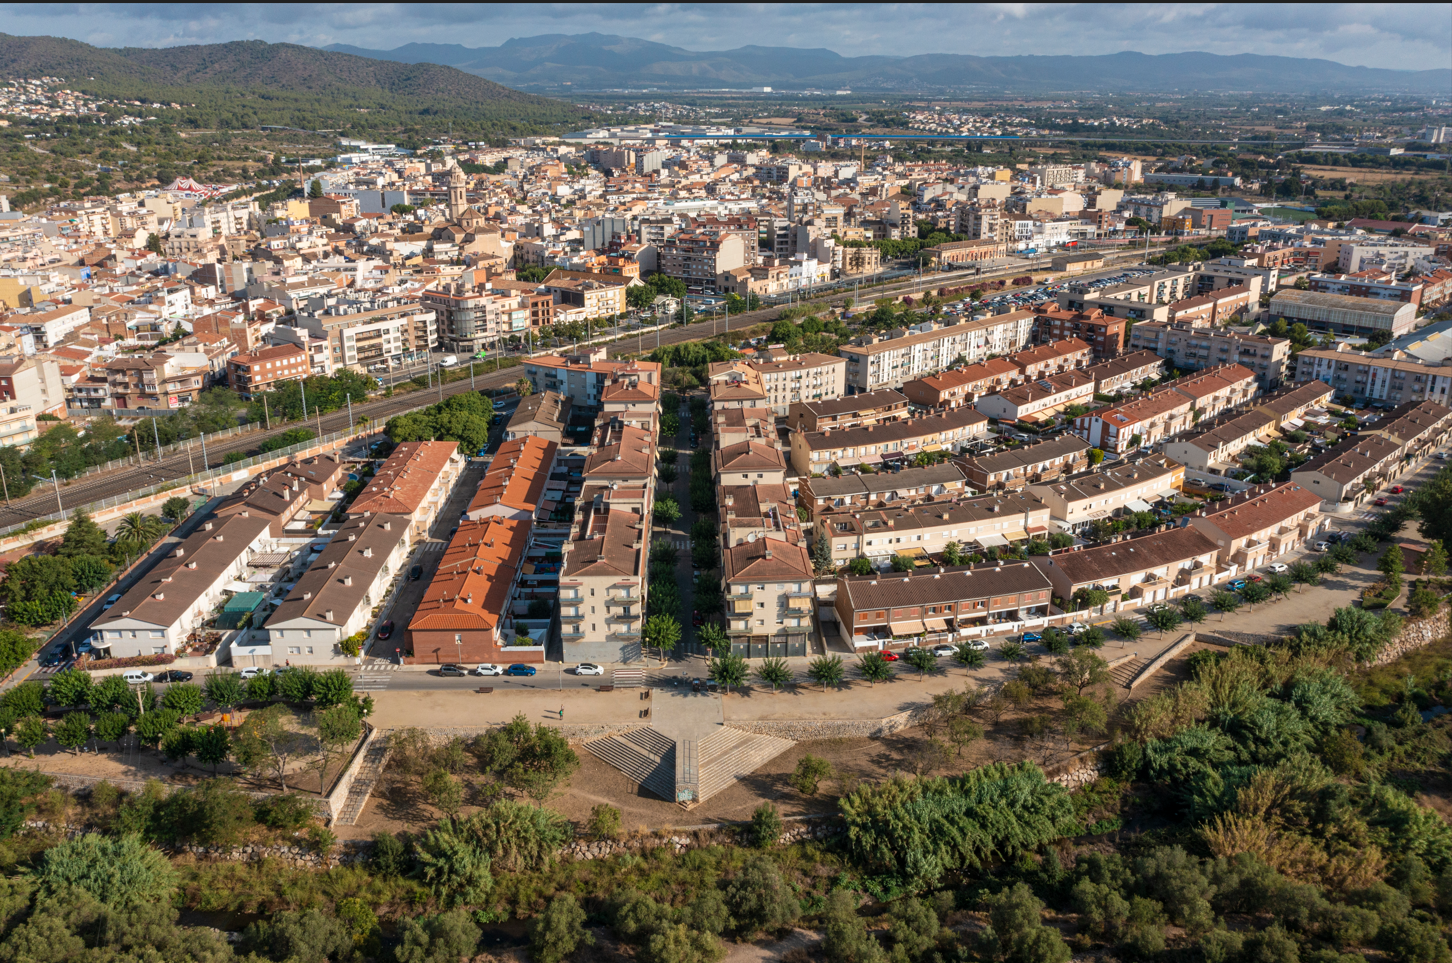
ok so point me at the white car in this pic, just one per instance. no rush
(488, 668)
(1323, 546)
(111, 601)
(1077, 628)
(253, 671)
(978, 645)
(1279, 568)
(137, 677)
(589, 668)
(941, 650)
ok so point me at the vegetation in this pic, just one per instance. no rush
(464, 418)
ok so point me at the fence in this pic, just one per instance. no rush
(194, 444)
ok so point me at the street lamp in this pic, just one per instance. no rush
(55, 482)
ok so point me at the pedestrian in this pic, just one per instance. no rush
(562, 712)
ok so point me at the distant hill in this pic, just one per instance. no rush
(603, 60)
(283, 83)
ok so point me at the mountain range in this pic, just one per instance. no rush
(269, 79)
(595, 60)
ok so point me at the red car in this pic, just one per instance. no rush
(386, 629)
(889, 656)
(1379, 502)
(1397, 489)
(1252, 578)
(696, 619)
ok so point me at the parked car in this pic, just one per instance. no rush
(941, 650)
(52, 660)
(697, 619)
(488, 668)
(1279, 568)
(253, 671)
(978, 645)
(1158, 607)
(888, 655)
(174, 675)
(137, 677)
(1380, 502)
(415, 573)
(449, 668)
(1397, 489)
(1031, 637)
(519, 668)
(386, 629)
(1323, 546)
(1077, 628)
(589, 668)
(1252, 577)
(111, 601)
(1238, 584)
(1191, 598)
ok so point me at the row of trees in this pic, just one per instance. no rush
(464, 417)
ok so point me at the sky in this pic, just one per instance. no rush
(1393, 35)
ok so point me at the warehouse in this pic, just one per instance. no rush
(1344, 314)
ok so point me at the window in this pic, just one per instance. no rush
(294, 650)
(158, 634)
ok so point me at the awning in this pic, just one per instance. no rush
(913, 552)
(932, 448)
(869, 459)
(1170, 493)
(1016, 535)
(1137, 505)
(915, 627)
(939, 625)
(1292, 424)
(268, 558)
(991, 541)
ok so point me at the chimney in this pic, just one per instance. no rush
(207, 526)
(328, 614)
(307, 595)
(367, 553)
(347, 580)
(179, 552)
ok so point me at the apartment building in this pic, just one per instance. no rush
(1216, 389)
(413, 483)
(158, 614)
(962, 386)
(50, 327)
(1038, 401)
(1142, 422)
(158, 381)
(1222, 306)
(18, 427)
(544, 415)
(334, 598)
(952, 254)
(1189, 346)
(1125, 373)
(1393, 379)
(602, 583)
(941, 606)
(1012, 469)
(363, 337)
(920, 531)
(464, 616)
(263, 369)
(748, 463)
(1133, 486)
(1051, 357)
(1349, 473)
(892, 360)
(33, 382)
(801, 378)
(517, 482)
(1138, 571)
(281, 498)
(1255, 527)
(817, 451)
(632, 401)
(911, 486)
(750, 512)
(848, 412)
(1103, 333)
(598, 299)
(699, 259)
(769, 598)
(1382, 285)
(1215, 445)
(583, 377)
(1342, 314)
(734, 384)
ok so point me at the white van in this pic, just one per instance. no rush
(111, 601)
(137, 677)
(449, 361)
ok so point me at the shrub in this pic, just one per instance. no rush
(119, 871)
(766, 826)
(809, 773)
(604, 821)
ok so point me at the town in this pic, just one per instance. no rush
(1027, 541)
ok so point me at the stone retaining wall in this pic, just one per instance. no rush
(1414, 635)
(803, 730)
(349, 852)
(574, 732)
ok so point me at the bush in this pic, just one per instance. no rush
(558, 931)
(766, 826)
(809, 773)
(604, 821)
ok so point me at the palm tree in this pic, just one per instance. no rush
(133, 529)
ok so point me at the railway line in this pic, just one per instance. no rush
(42, 499)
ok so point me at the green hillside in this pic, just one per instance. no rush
(251, 83)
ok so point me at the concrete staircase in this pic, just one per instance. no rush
(727, 755)
(1123, 673)
(644, 756)
(363, 781)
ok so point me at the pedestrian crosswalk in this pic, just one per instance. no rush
(374, 677)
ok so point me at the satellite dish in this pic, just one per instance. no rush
(751, 537)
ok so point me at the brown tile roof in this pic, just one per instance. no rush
(1108, 562)
(900, 430)
(852, 404)
(517, 476)
(767, 560)
(400, 486)
(1259, 509)
(609, 547)
(1048, 352)
(621, 452)
(973, 374)
(1203, 384)
(1056, 447)
(338, 580)
(471, 587)
(945, 585)
(749, 455)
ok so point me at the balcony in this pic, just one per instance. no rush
(742, 604)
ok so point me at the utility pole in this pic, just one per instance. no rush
(303, 387)
(349, 396)
(266, 416)
(4, 485)
(156, 437)
(55, 481)
(205, 460)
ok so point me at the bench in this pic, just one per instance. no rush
(485, 689)
(605, 688)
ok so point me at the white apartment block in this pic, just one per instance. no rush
(926, 349)
(1393, 380)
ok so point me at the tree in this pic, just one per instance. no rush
(112, 727)
(1090, 598)
(662, 632)
(711, 636)
(1082, 669)
(1391, 565)
(861, 565)
(1163, 620)
(766, 826)
(332, 688)
(211, 745)
(70, 687)
(1193, 610)
(558, 931)
(183, 698)
(452, 865)
(178, 743)
(1095, 456)
(267, 740)
(1225, 602)
(968, 657)
(315, 189)
(339, 728)
(844, 933)
(728, 670)
(120, 871)
(176, 508)
(874, 667)
(809, 773)
(759, 898)
(1434, 559)
(524, 387)
(1013, 652)
(920, 659)
(83, 537)
(444, 791)
(1016, 932)
(826, 670)
(822, 563)
(1126, 627)
(667, 510)
(902, 563)
(73, 731)
(774, 672)
(1304, 574)
(153, 727)
(1255, 593)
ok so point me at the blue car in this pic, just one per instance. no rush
(1032, 637)
(1237, 585)
(519, 669)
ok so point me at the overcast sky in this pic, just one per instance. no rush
(1404, 35)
